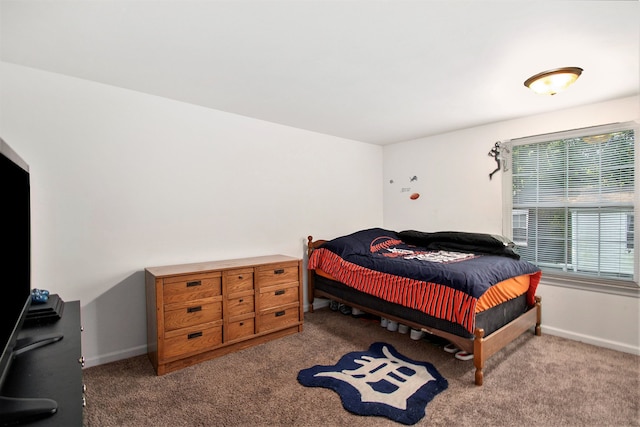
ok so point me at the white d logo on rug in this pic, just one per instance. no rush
(407, 377)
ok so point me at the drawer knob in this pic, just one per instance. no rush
(194, 335)
(81, 361)
(280, 313)
(240, 277)
(280, 292)
(194, 283)
(241, 300)
(241, 323)
(278, 271)
(194, 309)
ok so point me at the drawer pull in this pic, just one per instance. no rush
(194, 283)
(280, 313)
(194, 309)
(241, 300)
(194, 335)
(278, 271)
(280, 292)
(240, 277)
(241, 323)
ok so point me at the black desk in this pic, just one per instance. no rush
(53, 371)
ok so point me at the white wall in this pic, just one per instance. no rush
(123, 180)
(456, 194)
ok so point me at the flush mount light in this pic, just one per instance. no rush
(553, 81)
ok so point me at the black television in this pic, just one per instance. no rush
(15, 284)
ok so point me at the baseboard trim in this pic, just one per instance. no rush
(115, 356)
(589, 339)
(320, 303)
(317, 303)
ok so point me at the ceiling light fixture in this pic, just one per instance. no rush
(553, 81)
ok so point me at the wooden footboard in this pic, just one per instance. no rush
(485, 347)
(482, 347)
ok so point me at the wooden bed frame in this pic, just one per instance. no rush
(481, 346)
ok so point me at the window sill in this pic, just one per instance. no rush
(607, 286)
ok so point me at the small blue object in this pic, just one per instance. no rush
(41, 291)
(39, 296)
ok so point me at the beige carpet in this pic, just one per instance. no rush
(543, 381)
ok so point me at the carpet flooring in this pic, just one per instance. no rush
(534, 381)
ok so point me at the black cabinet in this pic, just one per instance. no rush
(53, 371)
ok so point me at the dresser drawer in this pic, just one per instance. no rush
(241, 305)
(280, 317)
(182, 315)
(276, 273)
(240, 329)
(279, 295)
(191, 287)
(238, 280)
(191, 340)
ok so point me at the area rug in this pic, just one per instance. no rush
(379, 382)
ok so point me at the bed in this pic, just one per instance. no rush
(471, 289)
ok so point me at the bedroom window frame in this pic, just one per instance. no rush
(630, 231)
(565, 278)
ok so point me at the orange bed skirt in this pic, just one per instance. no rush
(495, 295)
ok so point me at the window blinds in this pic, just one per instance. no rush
(573, 198)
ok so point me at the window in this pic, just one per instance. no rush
(520, 226)
(571, 200)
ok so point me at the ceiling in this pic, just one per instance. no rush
(373, 71)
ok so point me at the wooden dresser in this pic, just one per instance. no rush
(199, 311)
